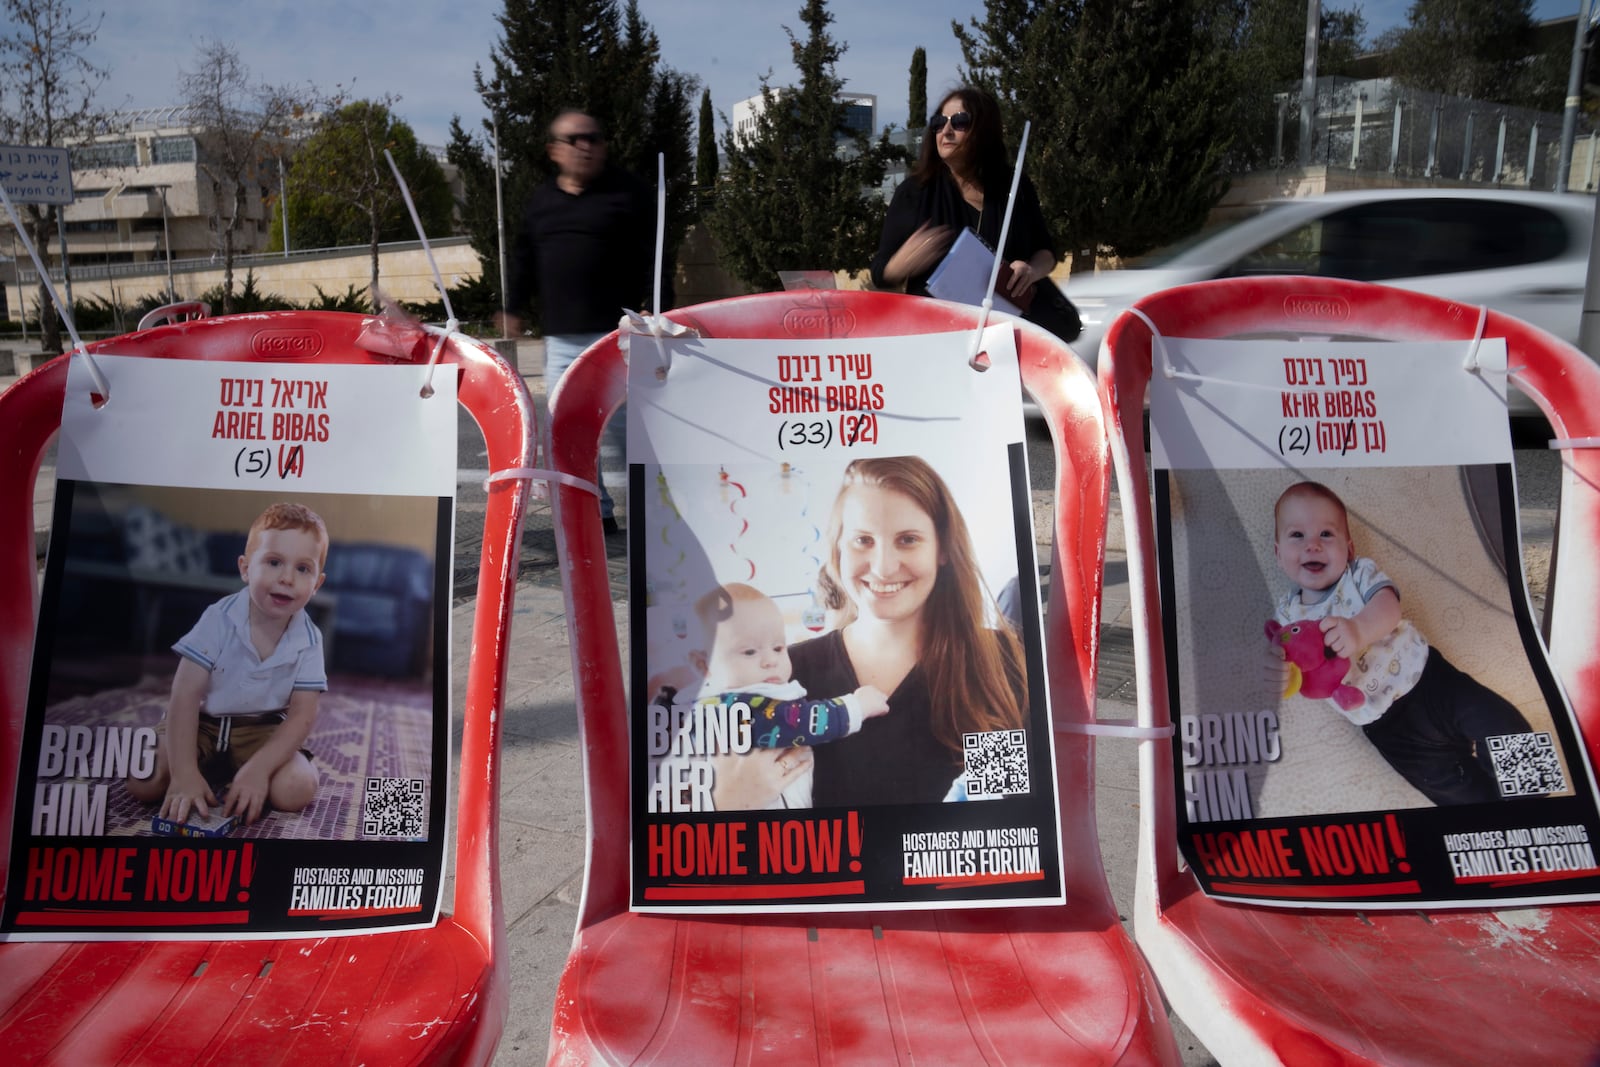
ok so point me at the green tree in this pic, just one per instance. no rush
(917, 105)
(705, 160)
(585, 54)
(1135, 108)
(48, 86)
(1273, 41)
(1271, 60)
(801, 191)
(342, 192)
(1483, 49)
(917, 102)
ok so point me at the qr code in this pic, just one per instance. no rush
(1525, 765)
(393, 807)
(996, 763)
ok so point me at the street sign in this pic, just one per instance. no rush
(36, 175)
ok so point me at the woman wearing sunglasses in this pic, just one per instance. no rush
(961, 180)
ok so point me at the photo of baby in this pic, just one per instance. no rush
(1430, 721)
(250, 672)
(852, 609)
(255, 663)
(1347, 641)
(744, 659)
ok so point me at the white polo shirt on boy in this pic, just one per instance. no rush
(242, 683)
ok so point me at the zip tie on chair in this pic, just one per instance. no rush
(450, 322)
(654, 325)
(1117, 728)
(450, 328)
(977, 360)
(1158, 348)
(1471, 366)
(661, 228)
(102, 386)
(539, 474)
(658, 327)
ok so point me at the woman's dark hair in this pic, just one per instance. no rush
(977, 679)
(986, 140)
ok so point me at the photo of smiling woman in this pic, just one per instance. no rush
(913, 619)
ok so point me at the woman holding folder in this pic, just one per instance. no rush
(962, 179)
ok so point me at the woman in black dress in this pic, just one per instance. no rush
(962, 179)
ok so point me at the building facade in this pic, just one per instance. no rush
(860, 115)
(143, 194)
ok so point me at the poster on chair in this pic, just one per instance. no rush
(838, 683)
(1365, 714)
(238, 718)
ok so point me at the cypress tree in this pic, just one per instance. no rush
(705, 162)
(801, 192)
(1134, 107)
(917, 104)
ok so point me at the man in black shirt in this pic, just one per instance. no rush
(587, 247)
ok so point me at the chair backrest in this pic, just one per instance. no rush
(30, 413)
(594, 387)
(1564, 382)
(183, 311)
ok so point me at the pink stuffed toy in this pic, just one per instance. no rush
(1314, 670)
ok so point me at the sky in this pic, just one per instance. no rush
(424, 51)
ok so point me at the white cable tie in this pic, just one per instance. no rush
(1158, 344)
(1471, 364)
(1575, 442)
(539, 474)
(658, 327)
(1117, 728)
(102, 386)
(661, 226)
(451, 327)
(1158, 347)
(975, 359)
(451, 323)
(978, 356)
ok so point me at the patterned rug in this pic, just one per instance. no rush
(364, 730)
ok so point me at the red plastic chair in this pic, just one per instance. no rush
(183, 311)
(1446, 987)
(435, 995)
(1060, 985)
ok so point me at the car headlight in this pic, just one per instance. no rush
(1090, 308)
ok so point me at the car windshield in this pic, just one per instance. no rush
(1167, 253)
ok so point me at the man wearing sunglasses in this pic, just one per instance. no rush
(586, 247)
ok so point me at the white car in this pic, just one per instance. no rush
(1522, 253)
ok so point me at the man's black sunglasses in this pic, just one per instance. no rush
(591, 139)
(961, 120)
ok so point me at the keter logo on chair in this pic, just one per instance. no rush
(819, 322)
(1327, 308)
(287, 344)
